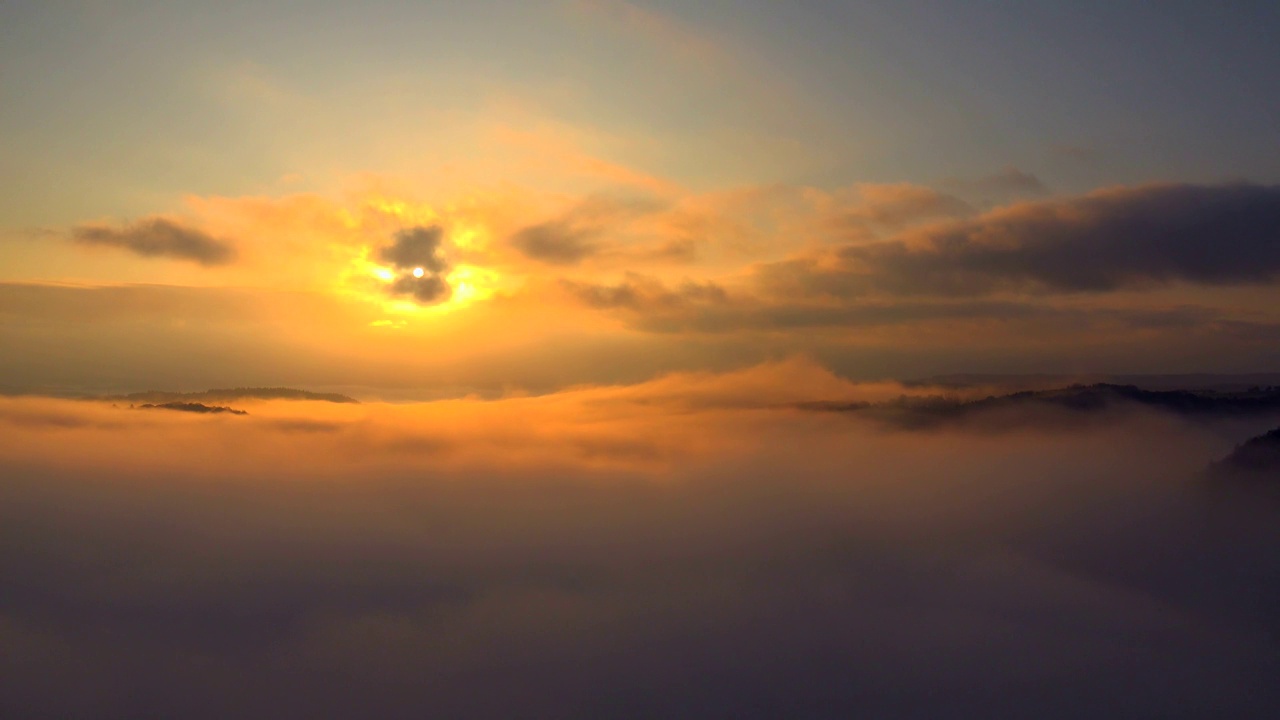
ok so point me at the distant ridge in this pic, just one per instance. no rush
(1044, 381)
(1257, 458)
(193, 408)
(1077, 401)
(230, 395)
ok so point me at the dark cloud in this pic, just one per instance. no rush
(683, 250)
(559, 242)
(577, 234)
(413, 249)
(159, 237)
(428, 289)
(645, 294)
(650, 305)
(416, 247)
(1108, 240)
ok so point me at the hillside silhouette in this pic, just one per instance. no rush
(1258, 458)
(1074, 403)
(192, 407)
(1045, 381)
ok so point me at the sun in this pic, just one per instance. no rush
(369, 280)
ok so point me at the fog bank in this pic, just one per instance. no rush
(673, 549)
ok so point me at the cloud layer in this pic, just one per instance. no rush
(684, 547)
(1108, 240)
(1146, 278)
(1073, 265)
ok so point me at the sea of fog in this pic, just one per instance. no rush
(693, 547)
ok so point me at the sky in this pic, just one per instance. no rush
(671, 331)
(198, 194)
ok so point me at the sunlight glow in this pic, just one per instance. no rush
(466, 238)
(366, 280)
(404, 211)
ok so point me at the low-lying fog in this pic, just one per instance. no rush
(690, 547)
